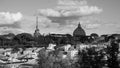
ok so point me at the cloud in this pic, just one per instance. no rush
(68, 8)
(10, 22)
(50, 12)
(91, 22)
(61, 19)
(92, 26)
(13, 25)
(68, 13)
(10, 18)
(6, 30)
(45, 25)
(72, 2)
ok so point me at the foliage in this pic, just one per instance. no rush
(52, 60)
(87, 58)
(23, 38)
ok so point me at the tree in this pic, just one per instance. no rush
(94, 35)
(40, 40)
(23, 38)
(113, 52)
(2, 40)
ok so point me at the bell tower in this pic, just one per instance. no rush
(36, 33)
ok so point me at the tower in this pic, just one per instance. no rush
(36, 33)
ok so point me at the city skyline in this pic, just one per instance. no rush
(59, 16)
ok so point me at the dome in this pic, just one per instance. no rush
(79, 31)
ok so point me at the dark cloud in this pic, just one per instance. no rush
(13, 25)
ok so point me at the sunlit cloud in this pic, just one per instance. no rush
(68, 8)
(10, 18)
(60, 19)
(68, 14)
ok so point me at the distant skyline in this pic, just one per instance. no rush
(60, 16)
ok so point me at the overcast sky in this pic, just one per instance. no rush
(60, 16)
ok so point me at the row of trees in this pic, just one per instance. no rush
(29, 40)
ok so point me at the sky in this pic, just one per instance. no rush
(60, 16)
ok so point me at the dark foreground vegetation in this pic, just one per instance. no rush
(105, 53)
(86, 58)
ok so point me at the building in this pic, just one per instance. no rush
(59, 38)
(79, 34)
(79, 31)
(36, 33)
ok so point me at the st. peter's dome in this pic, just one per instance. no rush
(79, 31)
